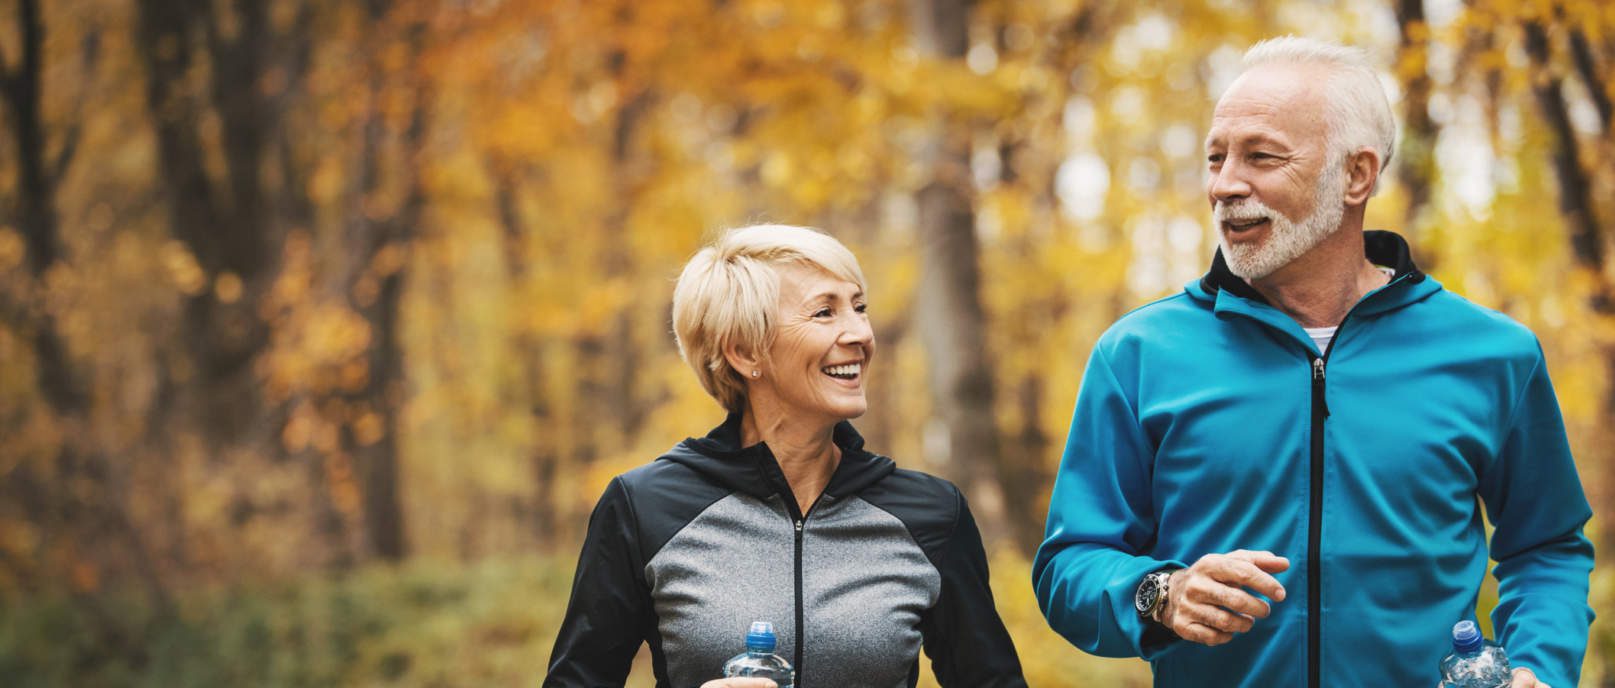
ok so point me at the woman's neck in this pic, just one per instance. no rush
(806, 451)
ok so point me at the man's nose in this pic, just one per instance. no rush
(1228, 183)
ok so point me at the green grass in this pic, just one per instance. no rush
(423, 624)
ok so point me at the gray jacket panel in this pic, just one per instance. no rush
(865, 584)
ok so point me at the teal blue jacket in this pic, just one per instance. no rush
(1209, 422)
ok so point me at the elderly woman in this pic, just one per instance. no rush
(780, 514)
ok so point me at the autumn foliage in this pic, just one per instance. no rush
(338, 316)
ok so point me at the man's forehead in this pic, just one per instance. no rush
(1272, 101)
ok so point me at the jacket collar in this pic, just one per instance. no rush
(1409, 285)
(753, 470)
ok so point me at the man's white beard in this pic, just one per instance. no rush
(1286, 240)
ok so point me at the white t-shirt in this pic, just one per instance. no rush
(1322, 336)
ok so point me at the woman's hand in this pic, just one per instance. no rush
(740, 683)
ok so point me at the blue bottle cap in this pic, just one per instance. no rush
(761, 637)
(1466, 637)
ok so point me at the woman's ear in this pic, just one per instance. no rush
(1362, 171)
(742, 360)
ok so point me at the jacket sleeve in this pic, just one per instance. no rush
(1101, 524)
(1534, 498)
(963, 635)
(605, 619)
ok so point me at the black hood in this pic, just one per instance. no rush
(1383, 248)
(753, 470)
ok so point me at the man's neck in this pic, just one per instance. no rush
(1320, 287)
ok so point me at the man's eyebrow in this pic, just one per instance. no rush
(1253, 138)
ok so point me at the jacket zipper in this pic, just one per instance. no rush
(801, 632)
(1320, 412)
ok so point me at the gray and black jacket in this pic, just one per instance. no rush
(685, 552)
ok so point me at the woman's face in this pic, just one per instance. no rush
(821, 351)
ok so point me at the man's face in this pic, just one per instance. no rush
(1275, 190)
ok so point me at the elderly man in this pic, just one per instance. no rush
(1271, 478)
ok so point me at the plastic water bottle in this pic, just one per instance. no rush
(759, 660)
(1475, 662)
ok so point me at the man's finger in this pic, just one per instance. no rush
(1220, 619)
(1203, 634)
(1266, 561)
(1233, 599)
(1525, 678)
(1240, 572)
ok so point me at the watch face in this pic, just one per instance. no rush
(1147, 592)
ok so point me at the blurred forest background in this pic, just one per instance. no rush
(323, 324)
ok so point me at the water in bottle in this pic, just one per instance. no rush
(1475, 662)
(759, 660)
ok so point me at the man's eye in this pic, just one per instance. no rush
(822, 313)
(861, 308)
(1215, 158)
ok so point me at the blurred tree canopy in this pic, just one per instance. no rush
(296, 289)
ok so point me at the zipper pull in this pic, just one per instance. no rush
(799, 526)
(1320, 399)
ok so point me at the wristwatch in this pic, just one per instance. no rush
(1150, 598)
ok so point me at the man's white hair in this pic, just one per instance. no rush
(1359, 115)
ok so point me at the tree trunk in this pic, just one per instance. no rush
(1575, 197)
(1581, 52)
(1417, 165)
(950, 319)
(538, 515)
(608, 361)
(379, 245)
(1587, 242)
(86, 498)
(231, 233)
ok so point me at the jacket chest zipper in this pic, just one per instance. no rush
(801, 632)
(1320, 412)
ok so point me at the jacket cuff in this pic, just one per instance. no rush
(1147, 643)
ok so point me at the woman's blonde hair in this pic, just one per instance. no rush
(729, 292)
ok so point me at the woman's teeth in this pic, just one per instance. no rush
(845, 372)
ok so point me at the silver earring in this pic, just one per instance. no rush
(756, 373)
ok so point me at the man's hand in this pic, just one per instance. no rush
(1207, 602)
(739, 683)
(1523, 678)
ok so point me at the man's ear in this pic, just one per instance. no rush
(743, 360)
(1362, 171)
